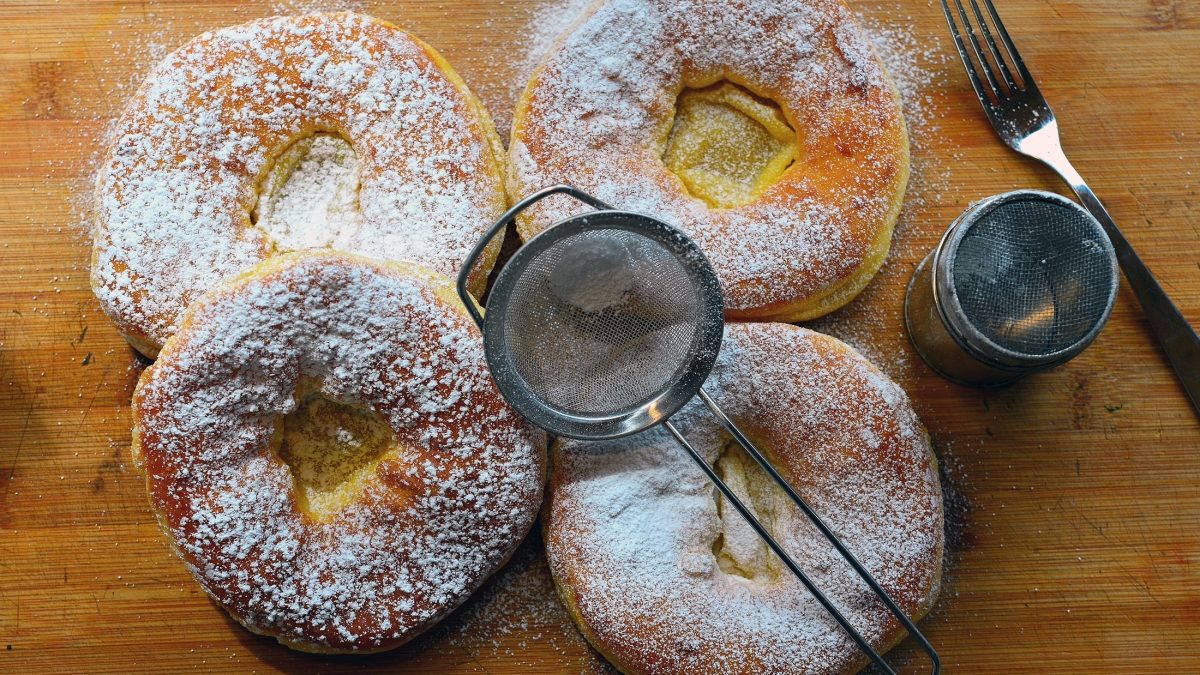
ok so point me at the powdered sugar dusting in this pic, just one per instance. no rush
(309, 6)
(517, 607)
(310, 199)
(633, 523)
(914, 61)
(545, 26)
(177, 189)
(444, 509)
(595, 276)
(599, 108)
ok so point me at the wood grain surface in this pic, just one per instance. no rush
(1073, 497)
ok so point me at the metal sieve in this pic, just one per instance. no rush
(1020, 282)
(606, 324)
(603, 325)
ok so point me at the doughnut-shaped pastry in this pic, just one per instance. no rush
(768, 130)
(324, 446)
(663, 577)
(388, 155)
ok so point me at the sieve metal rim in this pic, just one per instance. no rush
(945, 296)
(683, 387)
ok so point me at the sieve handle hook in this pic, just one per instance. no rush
(816, 520)
(500, 225)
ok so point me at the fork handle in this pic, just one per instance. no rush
(1172, 331)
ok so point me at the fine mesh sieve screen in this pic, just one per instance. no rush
(1033, 276)
(601, 321)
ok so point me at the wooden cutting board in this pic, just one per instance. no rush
(1073, 498)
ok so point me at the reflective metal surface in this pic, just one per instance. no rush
(620, 369)
(1020, 282)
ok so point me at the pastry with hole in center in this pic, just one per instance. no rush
(325, 448)
(767, 130)
(327, 130)
(662, 576)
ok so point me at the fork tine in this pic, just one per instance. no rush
(987, 35)
(983, 63)
(972, 75)
(1026, 78)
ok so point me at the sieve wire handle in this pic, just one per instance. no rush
(499, 226)
(783, 555)
(816, 520)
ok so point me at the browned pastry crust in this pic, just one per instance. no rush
(599, 113)
(377, 556)
(663, 577)
(191, 156)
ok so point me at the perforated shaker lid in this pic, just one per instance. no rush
(1025, 279)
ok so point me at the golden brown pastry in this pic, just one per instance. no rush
(663, 577)
(327, 130)
(768, 130)
(326, 449)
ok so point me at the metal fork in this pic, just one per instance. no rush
(1020, 115)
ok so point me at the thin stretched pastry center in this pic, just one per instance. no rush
(332, 449)
(738, 548)
(309, 199)
(728, 145)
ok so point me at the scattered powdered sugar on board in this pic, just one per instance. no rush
(914, 61)
(516, 607)
(308, 6)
